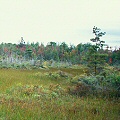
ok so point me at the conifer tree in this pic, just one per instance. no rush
(96, 56)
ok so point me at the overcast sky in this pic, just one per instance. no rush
(69, 21)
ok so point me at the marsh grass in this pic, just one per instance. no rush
(42, 95)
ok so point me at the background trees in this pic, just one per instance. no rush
(94, 55)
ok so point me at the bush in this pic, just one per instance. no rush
(81, 89)
(104, 85)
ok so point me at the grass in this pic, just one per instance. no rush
(42, 95)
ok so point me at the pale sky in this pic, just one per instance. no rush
(69, 21)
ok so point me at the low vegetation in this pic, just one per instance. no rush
(59, 94)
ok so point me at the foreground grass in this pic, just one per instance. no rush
(33, 95)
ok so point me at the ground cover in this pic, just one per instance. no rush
(44, 95)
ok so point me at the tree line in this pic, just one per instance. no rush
(53, 51)
(79, 54)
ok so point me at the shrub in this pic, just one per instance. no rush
(104, 84)
(81, 89)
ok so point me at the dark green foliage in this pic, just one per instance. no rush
(106, 84)
(98, 34)
(96, 56)
(28, 54)
(115, 55)
(22, 43)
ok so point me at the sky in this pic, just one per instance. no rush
(69, 21)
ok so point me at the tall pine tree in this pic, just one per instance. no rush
(96, 56)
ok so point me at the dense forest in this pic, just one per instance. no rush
(19, 53)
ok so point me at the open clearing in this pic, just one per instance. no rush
(43, 95)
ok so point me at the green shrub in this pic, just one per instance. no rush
(107, 85)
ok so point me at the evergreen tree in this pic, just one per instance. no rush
(96, 56)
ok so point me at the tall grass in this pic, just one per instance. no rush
(42, 95)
